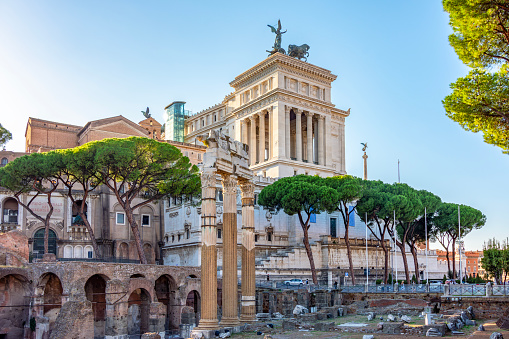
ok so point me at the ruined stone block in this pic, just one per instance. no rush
(392, 327)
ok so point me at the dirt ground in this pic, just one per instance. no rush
(278, 333)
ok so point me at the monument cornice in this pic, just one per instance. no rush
(284, 62)
(289, 97)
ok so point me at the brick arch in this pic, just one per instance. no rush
(146, 284)
(20, 273)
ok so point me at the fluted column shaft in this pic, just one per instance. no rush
(261, 148)
(298, 133)
(252, 143)
(287, 132)
(271, 130)
(244, 132)
(321, 136)
(230, 317)
(309, 134)
(248, 313)
(208, 319)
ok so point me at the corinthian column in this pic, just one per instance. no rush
(252, 144)
(248, 254)
(208, 319)
(298, 133)
(244, 132)
(261, 148)
(321, 143)
(230, 316)
(287, 132)
(309, 133)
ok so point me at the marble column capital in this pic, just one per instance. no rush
(208, 178)
(247, 189)
(320, 116)
(261, 114)
(287, 109)
(309, 114)
(229, 183)
(297, 110)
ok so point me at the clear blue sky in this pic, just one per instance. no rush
(76, 61)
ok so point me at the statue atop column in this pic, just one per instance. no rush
(277, 42)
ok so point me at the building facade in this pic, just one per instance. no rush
(69, 237)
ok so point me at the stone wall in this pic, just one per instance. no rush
(13, 249)
(484, 307)
(99, 298)
(272, 301)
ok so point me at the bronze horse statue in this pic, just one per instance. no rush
(299, 52)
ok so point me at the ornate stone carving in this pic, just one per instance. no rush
(198, 210)
(60, 224)
(229, 184)
(188, 210)
(31, 223)
(219, 210)
(208, 180)
(247, 189)
(174, 214)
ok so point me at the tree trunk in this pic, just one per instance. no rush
(136, 233)
(349, 253)
(416, 264)
(448, 262)
(386, 263)
(405, 263)
(454, 259)
(91, 234)
(309, 253)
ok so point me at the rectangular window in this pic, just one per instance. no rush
(219, 233)
(120, 218)
(220, 195)
(145, 220)
(89, 254)
(351, 212)
(333, 227)
(312, 217)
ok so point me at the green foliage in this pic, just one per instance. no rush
(478, 104)
(480, 38)
(495, 261)
(301, 193)
(444, 279)
(141, 167)
(414, 279)
(389, 279)
(32, 324)
(479, 27)
(5, 135)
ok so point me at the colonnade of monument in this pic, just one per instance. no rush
(229, 160)
(298, 143)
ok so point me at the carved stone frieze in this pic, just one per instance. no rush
(174, 214)
(30, 223)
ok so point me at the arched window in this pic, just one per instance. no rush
(10, 211)
(4, 162)
(39, 242)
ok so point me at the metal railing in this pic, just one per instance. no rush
(396, 288)
(465, 290)
(500, 290)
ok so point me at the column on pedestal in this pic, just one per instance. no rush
(309, 134)
(271, 130)
(342, 146)
(248, 313)
(208, 319)
(298, 133)
(321, 140)
(287, 132)
(261, 145)
(230, 317)
(252, 142)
